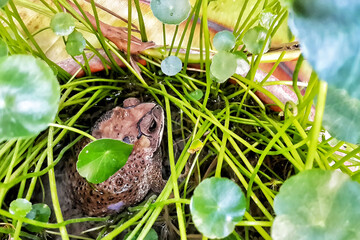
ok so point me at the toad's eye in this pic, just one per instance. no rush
(152, 126)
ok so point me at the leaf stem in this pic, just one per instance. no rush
(73, 130)
(129, 31)
(173, 176)
(316, 128)
(53, 190)
(207, 51)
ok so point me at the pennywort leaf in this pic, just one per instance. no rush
(3, 3)
(213, 214)
(195, 95)
(20, 207)
(254, 40)
(328, 31)
(171, 11)
(224, 41)
(75, 43)
(39, 212)
(171, 65)
(223, 66)
(317, 204)
(62, 24)
(100, 159)
(342, 115)
(29, 96)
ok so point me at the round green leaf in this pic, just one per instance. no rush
(100, 159)
(171, 65)
(3, 3)
(328, 31)
(170, 11)
(195, 95)
(254, 40)
(223, 66)
(29, 96)
(62, 24)
(224, 41)
(75, 43)
(342, 115)
(216, 206)
(317, 204)
(39, 212)
(3, 48)
(20, 207)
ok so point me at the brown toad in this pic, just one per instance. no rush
(141, 124)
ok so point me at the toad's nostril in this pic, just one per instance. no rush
(126, 139)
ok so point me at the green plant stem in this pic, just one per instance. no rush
(207, 51)
(316, 128)
(30, 36)
(224, 140)
(6, 147)
(50, 225)
(164, 35)
(168, 188)
(186, 27)
(73, 130)
(59, 137)
(347, 158)
(296, 77)
(231, 160)
(124, 226)
(208, 116)
(260, 230)
(129, 31)
(273, 70)
(52, 183)
(16, 180)
(141, 21)
(8, 174)
(23, 181)
(263, 155)
(17, 229)
(173, 39)
(191, 35)
(140, 224)
(70, 235)
(10, 232)
(241, 13)
(251, 14)
(138, 76)
(279, 19)
(173, 176)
